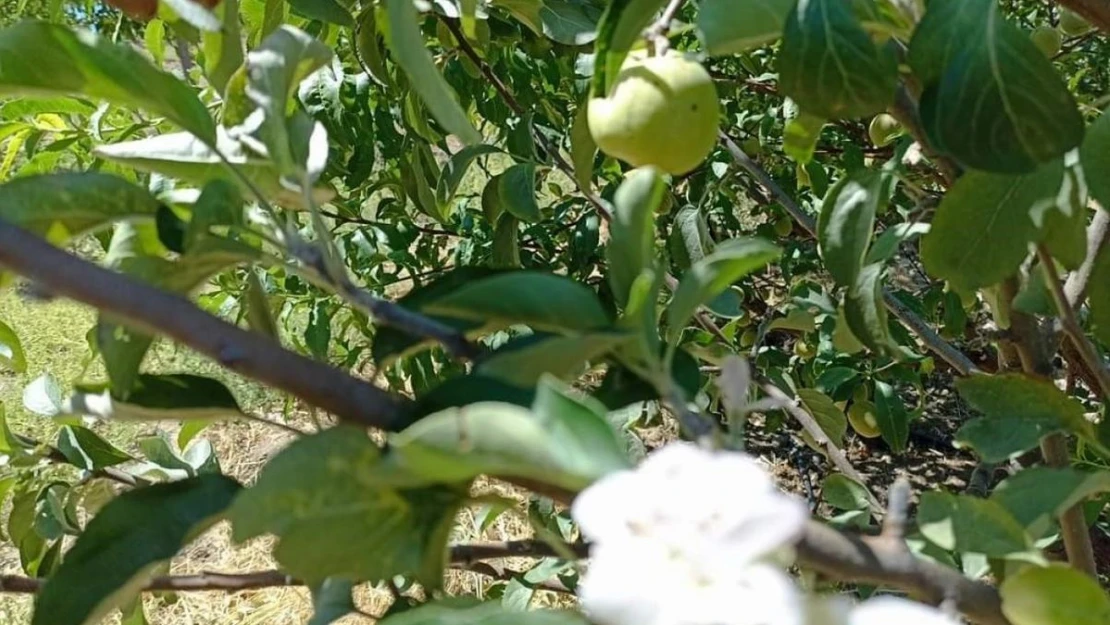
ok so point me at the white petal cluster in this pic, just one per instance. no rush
(699, 537)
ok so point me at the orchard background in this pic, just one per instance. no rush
(320, 310)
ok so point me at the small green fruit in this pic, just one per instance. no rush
(884, 129)
(803, 350)
(784, 226)
(747, 339)
(1047, 39)
(662, 111)
(1073, 24)
(862, 417)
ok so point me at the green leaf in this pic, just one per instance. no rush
(731, 27)
(1099, 295)
(1019, 411)
(831, 419)
(992, 101)
(621, 26)
(407, 45)
(11, 350)
(1036, 496)
(631, 247)
(317, 333)
(9, 442)
(890, 412)
(968, 524)
(516, 189)
(887, 244)
(223, 48)
(729, 262)
(689, 241)
(182, 156)
(865, 313)
(523, 361)
(468, 611)
(157, 397)
(563, 440)
(331, 601)
(329, 11)
(847, 222)
(582, 147)
(844, 493)
(41, 59)
(336, 484)
(799, 138)
(541, 300)
(109, 563)
(62, 206)
(259, 316)
(275, 69)
(84, 449)
(1054, 595)
(371, 51)
(569, 23)
(983, 226)
(829, 65)
(1094, 154)
(43, 396)
(455, 170)
(506, 243)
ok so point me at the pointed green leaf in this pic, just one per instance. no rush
(1095, 157)
(37, 58)
(992, 100)
(831, 419)
(983, 226)
(336, 484)
(1036, 496)
(865, 313)
(61, 206)
(540, 300)
(729, 262)
(847, 222)
(564, 440)
(455, 170)
(324, 10)
(468, 611)
(621, 25)
(331, 601)
(86, 450)
(582, 147)
(844, 493)
(1054, 595)
(731, 27)
(370, 47)
(829, 65)
(157, 397)
(407, 45)
(632, 231)
(887, 244)
(11, 349)
(800, 137)
(569, 23)
(223, 48)
(967, 524)
(523, 361)
(516, 188)
(890, 412)
(108, 564)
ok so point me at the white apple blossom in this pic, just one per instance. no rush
(716, 507)
(886, 610)
(640, 582)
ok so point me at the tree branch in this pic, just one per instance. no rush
(1098, 237)
(1071, 325)
(1097, 12)
(154, 311)
(954, 357)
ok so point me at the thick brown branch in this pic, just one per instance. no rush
(157, 312)
(1097, 12)
(884, 562)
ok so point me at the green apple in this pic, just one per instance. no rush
(662, 111)
(862, 417)
(1047, 39)
(784, 226)
(884, 129)
(1073, 24)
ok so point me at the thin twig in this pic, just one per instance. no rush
(515, 106)
(657, 33)
(154, 311)
(954, 357)
(897, 510)
(1070, 322)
